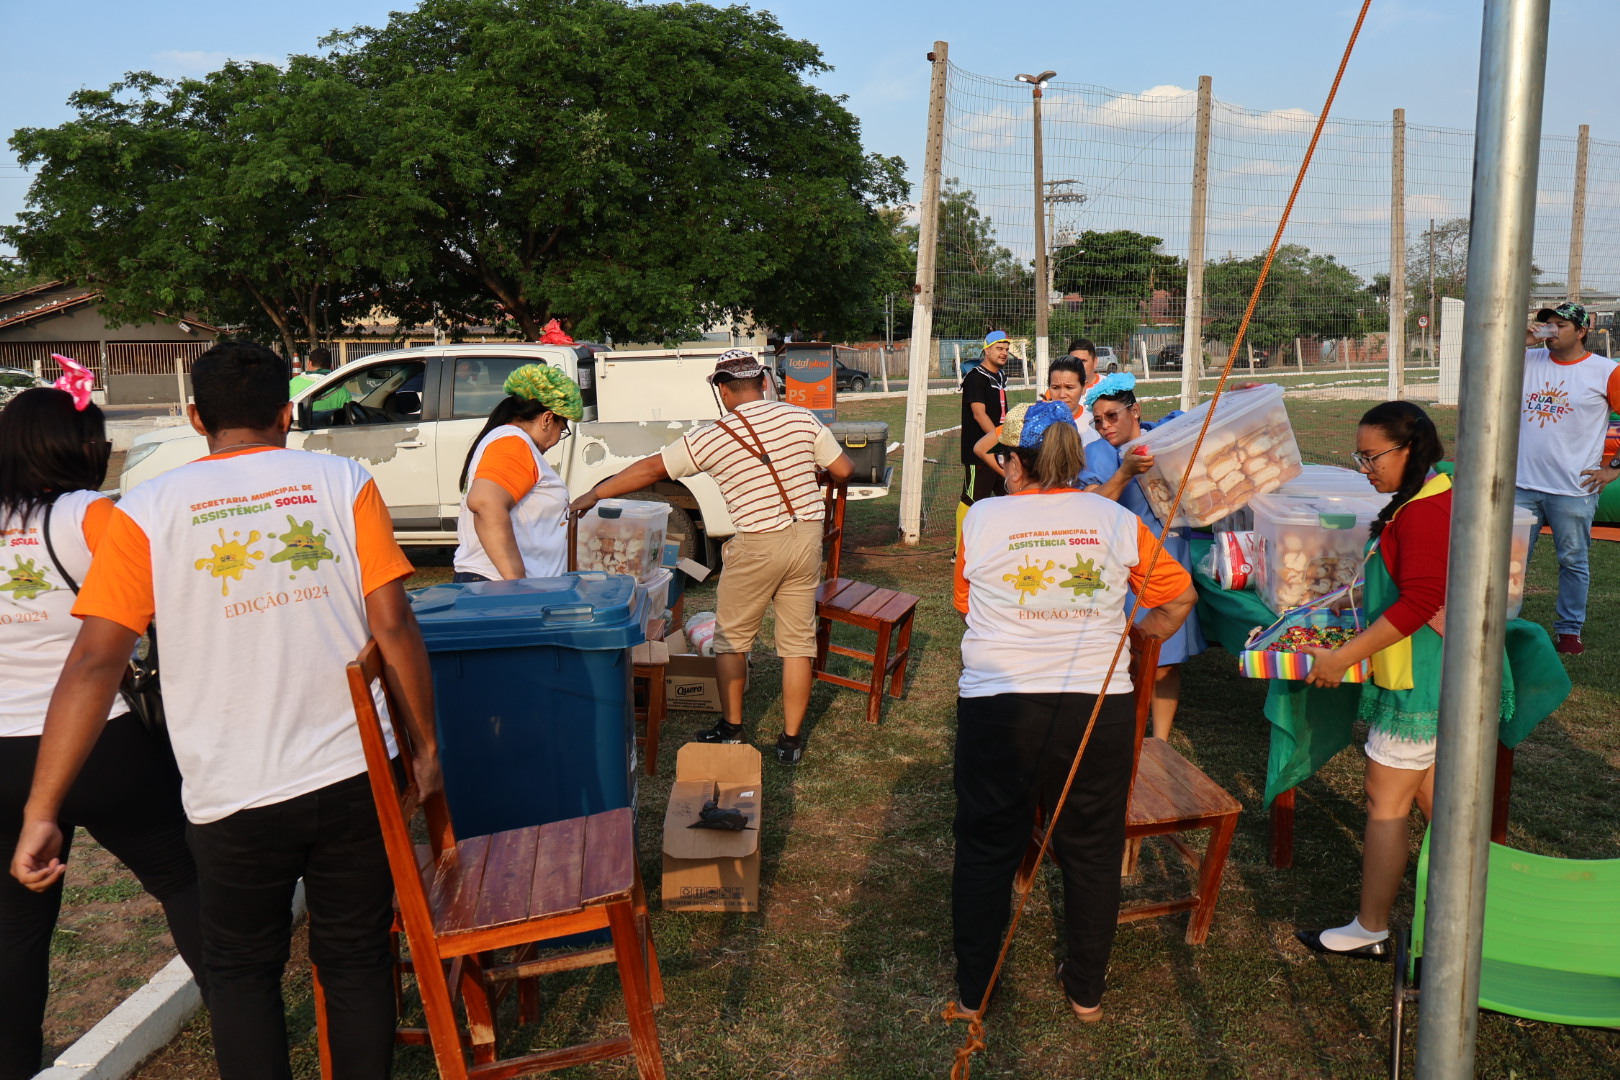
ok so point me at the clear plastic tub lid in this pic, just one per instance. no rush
(1326, 480)
(1320, 511)
(1237, 408)
(630, 508)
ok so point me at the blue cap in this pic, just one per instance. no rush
(1026, 424)
(994, 336)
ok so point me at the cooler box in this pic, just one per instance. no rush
(623, 536)
(867, 444)
(1308, 546)
(1250, 450)
(532, 684)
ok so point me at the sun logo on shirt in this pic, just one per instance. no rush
(26, 581)
(1548, 405)
(305, 547)
(231, 558)
(1084, 577)
(1030, 579)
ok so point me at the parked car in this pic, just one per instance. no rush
(14, 381)
(410, 415)
(1168, 358)
(1107, 362)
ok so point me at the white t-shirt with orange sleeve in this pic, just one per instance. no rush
(508, 457)
(1564, 420)
(37, 627)
(1044, 578)
(255, 565)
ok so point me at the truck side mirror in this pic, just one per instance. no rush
(304, 417)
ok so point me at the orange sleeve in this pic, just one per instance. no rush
(509, 463)
(96, 516)
(119, 584)
(1170, 578)
(381, 559)
(959, 590)
(1614, 389)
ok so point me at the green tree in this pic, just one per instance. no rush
(1305, 295)
(638, 171)
(979, 285)
(1113, 274)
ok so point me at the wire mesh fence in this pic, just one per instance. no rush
(1116, 206)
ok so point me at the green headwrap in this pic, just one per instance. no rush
(548, 386)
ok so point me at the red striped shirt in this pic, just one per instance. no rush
(796, 443)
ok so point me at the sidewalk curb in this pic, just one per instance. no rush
(141, 1026)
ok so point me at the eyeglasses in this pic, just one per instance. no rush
(563, 429)
(1108, 418)
(1364, 461)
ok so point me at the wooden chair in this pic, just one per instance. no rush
(459, 900)
(1169, 796)
(886, 612)
(647, 683)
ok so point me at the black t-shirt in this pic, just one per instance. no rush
(991, 392)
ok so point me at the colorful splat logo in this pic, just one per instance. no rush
(231, 558)
(305, 548)
(1548, 405)
(26, 581)
(1084, 577)
(1030, 579)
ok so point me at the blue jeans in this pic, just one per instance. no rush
(1570, 517)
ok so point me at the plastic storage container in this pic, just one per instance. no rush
(623, 536)
(1308, 546)
(1524, 530)
(532, 684)
(1328, 480)
(867, 444)
(1250, 450)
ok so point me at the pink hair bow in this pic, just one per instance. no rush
(76, 380)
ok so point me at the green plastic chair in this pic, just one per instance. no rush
(1551, 945)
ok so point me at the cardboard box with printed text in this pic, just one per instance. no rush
(713, 869)
(691, 681)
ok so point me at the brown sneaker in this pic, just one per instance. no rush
(1571, 644)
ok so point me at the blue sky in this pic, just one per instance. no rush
(1263, 54)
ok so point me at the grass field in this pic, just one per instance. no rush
(843, 974)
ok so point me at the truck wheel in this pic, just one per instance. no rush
(680, 521)
(857, 385)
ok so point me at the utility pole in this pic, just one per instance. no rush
(921, 350)
(1043, 303)
(1192, 327)
(1507, 151)
(1397, 259)
(1428, 333)
(1577, 225)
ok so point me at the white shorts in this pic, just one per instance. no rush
(1396, 753)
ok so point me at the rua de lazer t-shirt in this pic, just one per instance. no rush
(256, 566)
(1564, 419)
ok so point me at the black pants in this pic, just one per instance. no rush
(1013, 753)
(980, 481)
(462, 577)
(248, 864)
(128, 797)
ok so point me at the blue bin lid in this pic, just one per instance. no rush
(584, 610)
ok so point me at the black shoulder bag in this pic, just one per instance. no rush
(139, 688)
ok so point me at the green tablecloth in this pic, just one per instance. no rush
(1310, 724)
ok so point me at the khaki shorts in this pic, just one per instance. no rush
(783, 567)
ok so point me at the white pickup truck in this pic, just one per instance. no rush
(410, 415)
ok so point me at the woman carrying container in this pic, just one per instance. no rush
(53, 458)
(1043, 578)
(1397, 447)
(1118, 419)
(515, 507)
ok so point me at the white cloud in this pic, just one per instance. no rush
(200, 61)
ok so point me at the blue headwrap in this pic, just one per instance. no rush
(1110, 384)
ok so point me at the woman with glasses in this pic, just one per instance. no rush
(53, 460)
(1397, 448)
(515, 507)
(1117, 418)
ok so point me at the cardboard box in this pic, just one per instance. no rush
(713, 869)
(691, 682)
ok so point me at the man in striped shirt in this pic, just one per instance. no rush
(764, 456)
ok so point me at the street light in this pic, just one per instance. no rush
(1037, 83)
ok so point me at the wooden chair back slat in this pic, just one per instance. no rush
(832, 532)
(1144, 674)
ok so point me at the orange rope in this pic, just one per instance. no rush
(975, 1042)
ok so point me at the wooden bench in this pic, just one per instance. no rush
(885, 612)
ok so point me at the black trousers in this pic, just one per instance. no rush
(127, 796)
(1013, 753)
(980, 481)
(248, 864)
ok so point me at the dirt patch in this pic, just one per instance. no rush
(110, 939)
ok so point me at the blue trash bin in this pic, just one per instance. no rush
(531, 681)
